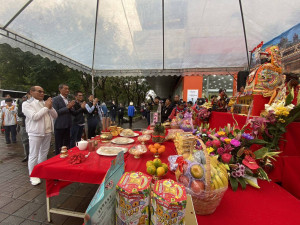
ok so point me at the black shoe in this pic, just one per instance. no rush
(25, 159)
(14, 142)
(8, 143)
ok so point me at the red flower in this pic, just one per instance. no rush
(216, 143)
(250, 162)
(209, 144)
(226, 157)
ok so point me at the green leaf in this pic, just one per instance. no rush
(290, 97)
(236, 131)
(226, 130)
(242, 182)
(282, 129)
(240, 152)
(263, 174)
(234, 183)
(260, 153)
(258, 141)
(298, 98)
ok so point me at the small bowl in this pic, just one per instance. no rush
(144, 138)
(138, 150)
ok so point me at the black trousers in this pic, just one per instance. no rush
(130, 122)
(62, 138)
(120, 120)
(10, 130)
(92, 123)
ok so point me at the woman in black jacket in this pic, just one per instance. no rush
(120, 114)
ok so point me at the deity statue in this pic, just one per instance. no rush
(266, 77)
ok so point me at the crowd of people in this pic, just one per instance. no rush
(170, 109)
(37, 119)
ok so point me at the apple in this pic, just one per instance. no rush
(197, 171)
(184, 180)
(197, 186)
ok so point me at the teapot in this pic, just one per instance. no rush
(82, 145)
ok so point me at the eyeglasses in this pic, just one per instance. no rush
(40, 91)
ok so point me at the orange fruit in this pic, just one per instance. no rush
(160, 150)
(153, 150)
(151, 170)
(162, 146)
(150, 146)
(165, 166)
(160, 171)
(157, 163)
(156, 145)
(149, 163)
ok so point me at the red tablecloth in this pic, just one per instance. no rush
(269, 205)
(289, 159)
(59, 172)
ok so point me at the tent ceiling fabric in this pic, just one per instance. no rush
(197, 33)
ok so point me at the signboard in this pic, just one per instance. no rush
(102, 209)
(192, 95)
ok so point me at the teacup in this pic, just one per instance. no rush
(82, 145)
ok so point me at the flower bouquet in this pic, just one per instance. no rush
(204, 112)
(231, 146)
(269, 128)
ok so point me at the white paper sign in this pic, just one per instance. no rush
(192, 95)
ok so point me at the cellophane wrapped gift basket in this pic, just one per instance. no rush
(204, 177)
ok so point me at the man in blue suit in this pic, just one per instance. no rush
(63, 122)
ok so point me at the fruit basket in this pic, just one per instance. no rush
(205, 179)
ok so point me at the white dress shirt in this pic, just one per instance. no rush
(65, 100)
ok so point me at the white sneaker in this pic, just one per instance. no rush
(35, 180)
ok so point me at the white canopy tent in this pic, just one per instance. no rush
(143, 37)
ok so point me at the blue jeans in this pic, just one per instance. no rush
(10, 130)
(76, 134)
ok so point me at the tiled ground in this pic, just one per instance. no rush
(22, 203)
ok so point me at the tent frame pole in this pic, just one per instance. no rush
(94, 48)
(245, 37)
(17, 14)
(163, 31)
(93, 82)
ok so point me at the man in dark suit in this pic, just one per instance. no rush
(63, 122)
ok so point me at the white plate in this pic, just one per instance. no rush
(110, 150)
(119, 142)
(135, 135)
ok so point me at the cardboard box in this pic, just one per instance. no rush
(168, 203)
(133, 199)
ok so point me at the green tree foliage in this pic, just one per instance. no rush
(21, 70)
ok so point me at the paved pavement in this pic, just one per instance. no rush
(22, 203)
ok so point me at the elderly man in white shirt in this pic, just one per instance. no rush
(39, 126)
